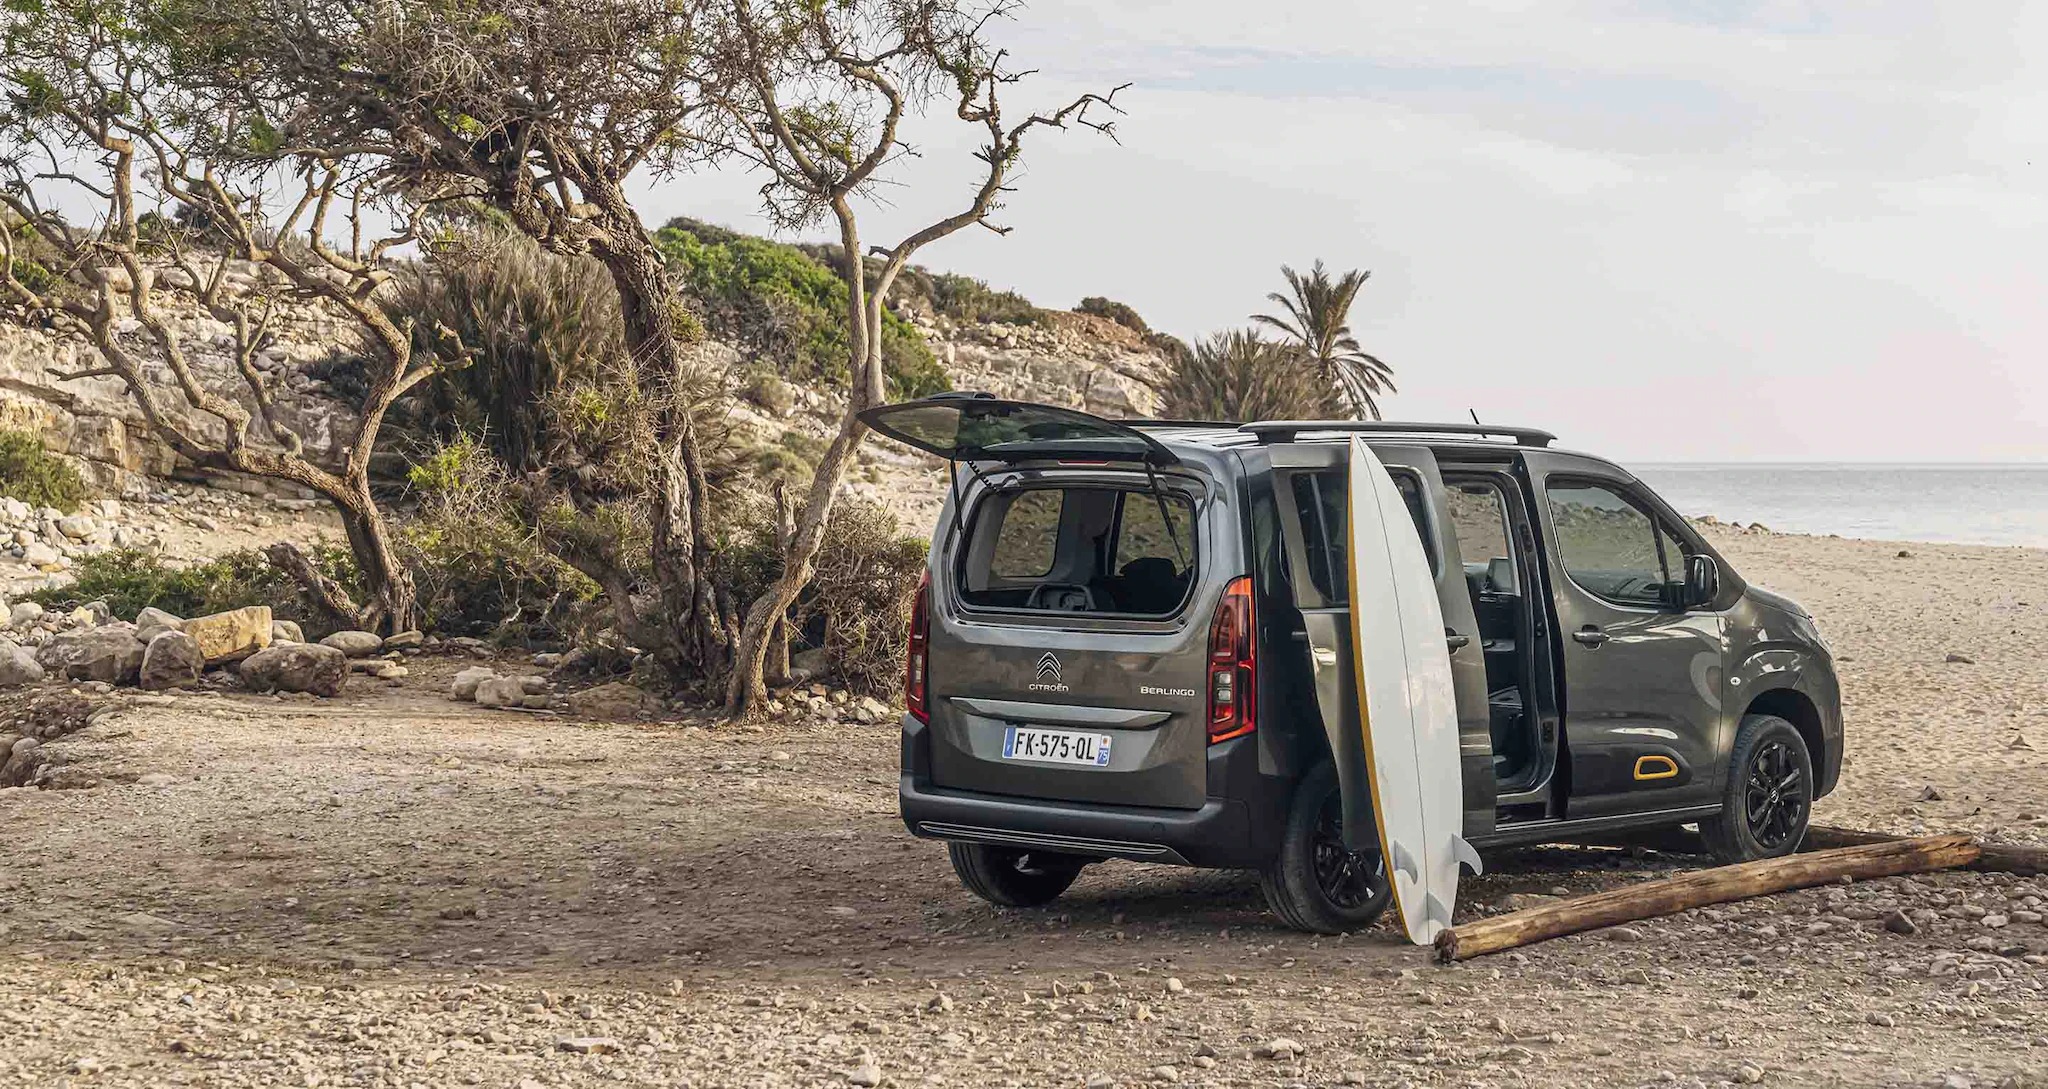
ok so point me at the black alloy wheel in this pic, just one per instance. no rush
(1775, 794)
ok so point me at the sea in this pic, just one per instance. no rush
(1953, 503)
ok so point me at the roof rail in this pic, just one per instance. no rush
(1225, 425)
(1286, 430)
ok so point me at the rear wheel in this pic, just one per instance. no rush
(1769, 796)
(1315, 884)
(1011, 876)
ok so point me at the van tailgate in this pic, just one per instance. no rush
(1009, 716)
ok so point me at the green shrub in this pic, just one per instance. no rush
(781, 303)
(964, 298)
(35, 476)
(535, 323)
(1115, 311)
(130, 580)
(478, 567)
(857, 606)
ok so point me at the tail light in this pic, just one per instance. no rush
(919, 654)
(1233, 664)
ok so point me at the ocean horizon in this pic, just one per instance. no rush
(1934, 502)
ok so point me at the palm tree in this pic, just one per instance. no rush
(1317, 319)
(1241, 376)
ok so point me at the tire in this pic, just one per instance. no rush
(1769, 797)
(1314, 884)
(1011, 876)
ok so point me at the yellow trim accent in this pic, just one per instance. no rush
(1670, 768)
(1372, 775)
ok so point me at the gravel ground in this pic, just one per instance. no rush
(390, 889)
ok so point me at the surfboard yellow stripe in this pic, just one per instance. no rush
(1372, 774)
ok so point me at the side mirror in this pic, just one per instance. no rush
(1702, 580)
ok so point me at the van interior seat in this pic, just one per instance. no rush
(1148, 584)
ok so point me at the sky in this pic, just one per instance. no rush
(1685, 230)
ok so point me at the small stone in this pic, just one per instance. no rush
(940, 1003)
(1174, 985)
(298, 667)
(1930, 793)
(866, 1075)
(1994, 921)
(1898, 923)
(588, 1045)
(171, 660)
(466, 682)
(1624, 934)
(1748, 1074)
(501, 692)
(1960, 659)
(1880, 1019)
(156, 779)
(1281, 1049)
(355, 644)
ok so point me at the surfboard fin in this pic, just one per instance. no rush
(1405, 862)
(1463, 852)
(1436, 910)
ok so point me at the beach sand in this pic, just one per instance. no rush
(1975, 731)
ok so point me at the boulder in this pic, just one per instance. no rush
(466, 682)
(78, 527)
(152, 621)
(170, 660)
(286, 631)
(355, 644)
(111, 654)
(18, 666)
(41, 555)
(614, 702)
(405, 640)
(24, 614)
(233, 635)
(297, 667)
(501, 692)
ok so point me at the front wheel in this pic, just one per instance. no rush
(1012, 877)
(1769, 797)
(1315, 884)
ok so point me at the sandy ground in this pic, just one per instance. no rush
(390, 889)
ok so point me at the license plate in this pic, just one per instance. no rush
(1056, 747)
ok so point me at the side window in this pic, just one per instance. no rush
(1030, 535)
(1479, 516)
(1322, 499)
(1609, 546)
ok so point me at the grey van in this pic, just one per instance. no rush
(1122, 649)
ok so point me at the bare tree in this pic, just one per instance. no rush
(815, 96)
(95, 128)
(542, 111)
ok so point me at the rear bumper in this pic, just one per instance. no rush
(1221, 834)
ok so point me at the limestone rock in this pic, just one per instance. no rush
(405, 640)
(110, 654)
(171, 660)
(501, 692)
(615, 702)
(23, 614)
(466, 682)
(233, 635)
(286, 631)
(18, 666)
(297, 667)
(152, 621)
(355, 644)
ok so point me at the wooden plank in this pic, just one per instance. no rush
(2010, 858)
(1699, 888)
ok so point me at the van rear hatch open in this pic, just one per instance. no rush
(1067, 648)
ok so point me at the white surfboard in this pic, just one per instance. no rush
(1407, 709)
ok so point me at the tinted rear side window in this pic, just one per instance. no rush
(1081, 549)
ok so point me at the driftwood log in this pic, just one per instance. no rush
(1996, 857)
(1670, 895)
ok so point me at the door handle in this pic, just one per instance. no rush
(1589, 636)
(1455, 641)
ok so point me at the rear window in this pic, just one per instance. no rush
(1080, 549)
